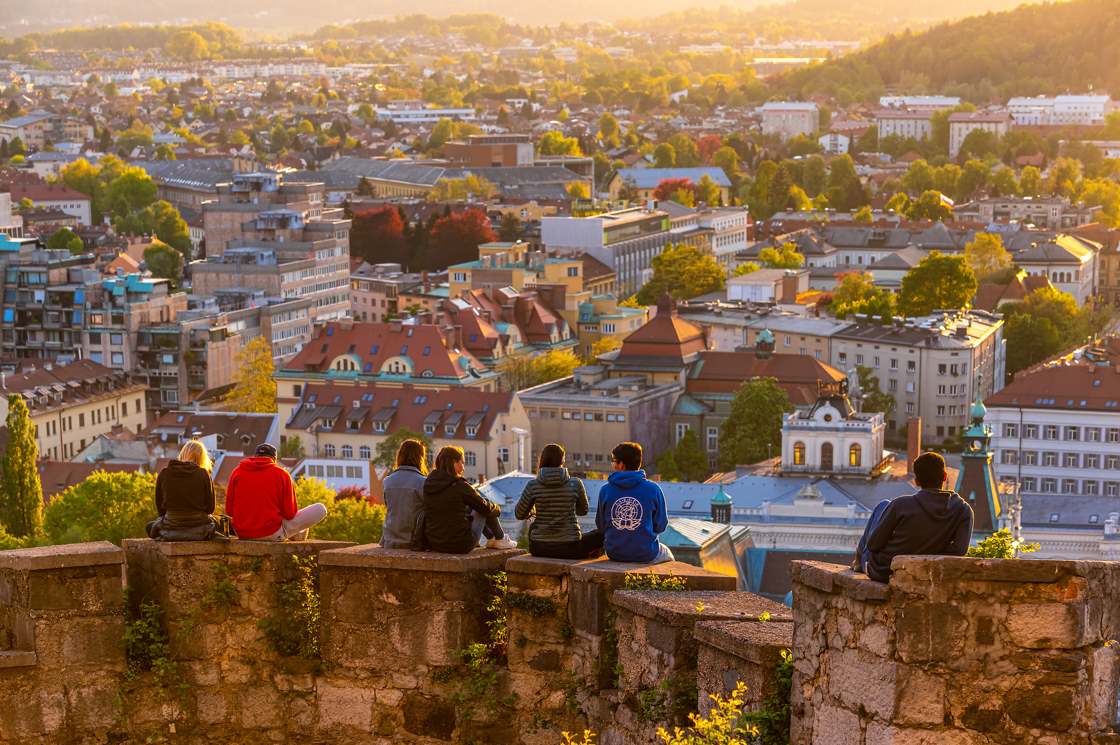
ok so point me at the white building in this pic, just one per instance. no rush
(963, 123)
(788, 119)
(337, 473)
(1071, 263)
(422, 115)
(919, 102)
(907, 124)
(1043, 111)
(625, 240)
(835, 143)
(832, 437)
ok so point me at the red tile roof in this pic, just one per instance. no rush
(1087, 379)
(665, 335)
(44, 193)
(797, 374)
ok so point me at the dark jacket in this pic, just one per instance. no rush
(447, 523)
(184, 495)
(259, 497)
(931, 522)
(556, 498)
(403, 491)
(631, 514)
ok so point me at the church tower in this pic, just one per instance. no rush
(976, 481)
(721, 507)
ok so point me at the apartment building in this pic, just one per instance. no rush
(492, 150)
(788, 119)
(907, 124)
(624, 240)
(38, 129)
(73, 403)
(337, 420)
(964, 123)
(1070, 262)
(1043, 212)
(282, 206)
(1085, 110)
(934, 366)
(117, 308)
(375, 290)
(53, 196)
(644, 181)
(1056, 426)
(920, 102)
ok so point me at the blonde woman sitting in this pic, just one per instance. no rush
(185, 497)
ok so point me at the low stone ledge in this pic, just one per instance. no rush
(613, 573)
(754, 641)
(529, 564)
(66, 556)
(681, 608)
(913, 570)
(235, 547)
(373, 556)
(18, 658)
(831, 578)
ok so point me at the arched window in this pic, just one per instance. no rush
(347, 451)
(364, 452)
(855, 456)
(826, 456)
(798, 453)
(328, 451)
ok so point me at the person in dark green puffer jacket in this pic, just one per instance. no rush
(554, 499)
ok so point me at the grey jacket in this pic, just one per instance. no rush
(555, 499)
(404, 494)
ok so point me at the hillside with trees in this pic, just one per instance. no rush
(1032, 50)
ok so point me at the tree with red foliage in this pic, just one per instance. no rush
(455, 238)
(707, 145)
(377, 235)
(675, 189)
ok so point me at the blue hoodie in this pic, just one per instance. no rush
(631, 513)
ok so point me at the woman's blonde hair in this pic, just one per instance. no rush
(194, 451)
(447, 457)
(413, 453)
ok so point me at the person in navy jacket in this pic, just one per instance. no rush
(631, 511)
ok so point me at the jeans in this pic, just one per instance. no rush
(863, 553)
(485, 525)
(587, 547)
(296, 528)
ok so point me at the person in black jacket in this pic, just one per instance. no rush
(185, 496)
(930, 523)
(455, 514)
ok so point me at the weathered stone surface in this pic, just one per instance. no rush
(680, 608)
(64, 556)
(428, 716)
(373, 556)
(1047, 625)
(528, 564)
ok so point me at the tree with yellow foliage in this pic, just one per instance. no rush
(254, 390)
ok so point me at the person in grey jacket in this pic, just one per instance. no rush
(555, 499)
(403, 490)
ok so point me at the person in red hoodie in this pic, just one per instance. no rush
(261, 500)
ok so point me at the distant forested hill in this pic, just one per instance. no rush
(1034, 49)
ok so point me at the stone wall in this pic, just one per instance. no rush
(953, 651)
(956, 651)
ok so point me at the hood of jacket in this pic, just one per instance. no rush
(939, 504)
(257, 463)
(439, 481)
(182, 468)
(553, 476)
(627, 479)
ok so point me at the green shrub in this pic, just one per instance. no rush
(354, 520)
(1001, 545)
(103, 507)
(650, 581)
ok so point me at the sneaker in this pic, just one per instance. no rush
(501, 543)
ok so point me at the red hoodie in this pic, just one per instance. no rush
(259, 495)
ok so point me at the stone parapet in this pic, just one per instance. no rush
(61, 657)
(732, 651)
(955, 650)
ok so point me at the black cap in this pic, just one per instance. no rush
(267, 450)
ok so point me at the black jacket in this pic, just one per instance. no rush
(447, 524)
(932, 522)
(184, 495)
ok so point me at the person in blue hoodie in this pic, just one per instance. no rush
(631, 511)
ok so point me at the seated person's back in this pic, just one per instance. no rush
(631, 511)
(931, 522)
(260, 495)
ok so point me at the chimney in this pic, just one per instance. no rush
(913, 442)
(790, 282)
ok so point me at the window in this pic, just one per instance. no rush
(573, 271)
(1008, 457)
(681, 429)
(1069, 486)
(471, 459)
(1112, 462)
(328, 451)
(81, 420)
(859, 359)
(910, 389)
(117, 358)
(1010, 430)
(503, 455)
(894, 363)
(1092, 434)
(1030, 458)
(116, 339)
(1072, 433)
(1111, 488)
(1090, 487)
(855, 459)
(472, 431)
(1030, 431)
(1029, 483)
(1091, 460)
(364, 452)
(1050, 432)
(1049, 486)
(1113, 434)
(713, 439)
(798, 453)
(1070, 460)
(911, 366)
(347, 451)
(1049, 459)
(892, 386)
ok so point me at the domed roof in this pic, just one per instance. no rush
(978, 410)
(766, 336)
(721, 497)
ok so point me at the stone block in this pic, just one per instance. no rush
(90, 589)
(686, 608)
(1047, 625)
(429, 716)
(930, 632)
(373, 556)
(65, 556)
(919, 697)
(833, 725)
(859, 679)
(345, 706)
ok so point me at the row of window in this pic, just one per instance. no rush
(1048, 485)
(1050, 459)
(335, 472)
(1068, 433)
(587, 416)
(855, 454)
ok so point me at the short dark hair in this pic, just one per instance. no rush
(628, 454)
(447, 457)
(929, 470)
(552, 456)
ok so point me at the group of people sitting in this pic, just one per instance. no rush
(441, 511)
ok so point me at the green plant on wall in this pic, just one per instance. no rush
(1001, 545)
(771, 720)
(293, 629)
(724, 725)
(148, 649)
(650, 581)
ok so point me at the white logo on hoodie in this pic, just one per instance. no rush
(626, 513)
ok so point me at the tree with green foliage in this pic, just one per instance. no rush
(708, 192)
(21, 493)
(864, 215)
(385, 455)
(899, 204)
(103, 507)
(929, 206)
(1030, 182)
(874, 400)
(609, 131)
(187, 46)
(753, 428)
(1047, 322)
(555, 143)
(164, 262)
(785, 256)
(1003, 183)
(254, 389)
(354, 520)
(986, 255)
(844, 189)
(292, 448)
(163, 221)
(65, 238)
(938, 282)
(664, 156)
(747, 267)
(687, 154)
(727, 159)
(524, 370)
(979, 143)
(684, 272)
(685, 461)
(856, 293)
